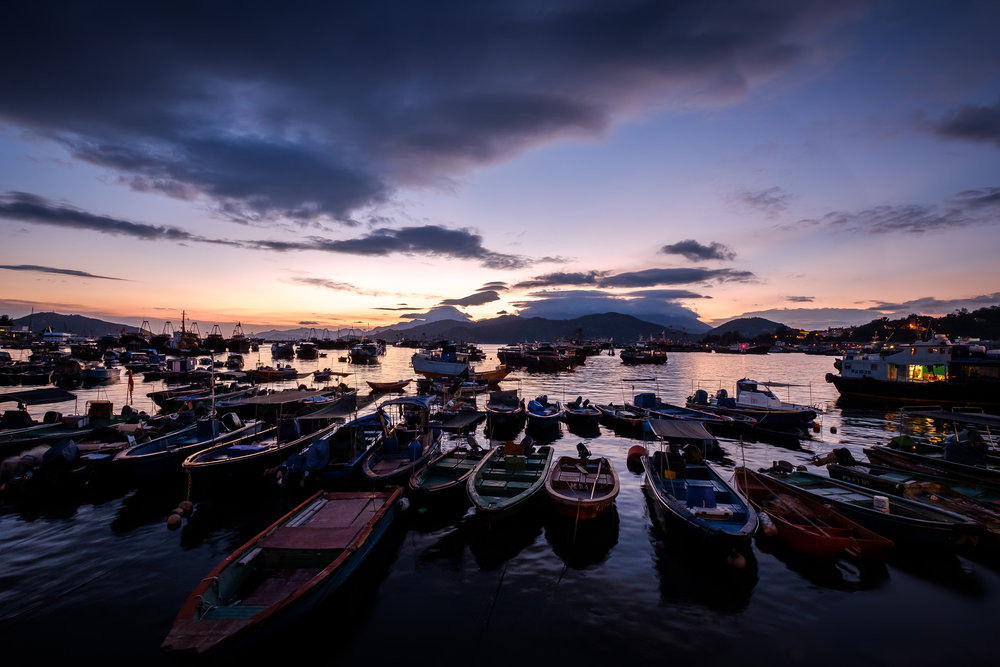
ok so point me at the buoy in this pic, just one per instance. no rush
(815, 427)
(737, 560)
(185, 506)
(174, 521)
(632, 461)
(833, 429)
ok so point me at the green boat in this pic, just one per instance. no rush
(509, 477)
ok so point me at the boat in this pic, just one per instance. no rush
(272, 406)
(805, 524)
(457, 414)
(446, 474)
(638, 353)
(445, 363)
(904, 521)
(334, 459)
(541, 412)
(581, 414)
(504, 409)
(253, 457)
(493, 376)
(364, 353)
(582, 487)
(409, 440)
(165, 455)
(509, 478)
(623, 417)
(397, 385)
(755, 399)
(655, 408)
(689, 494)
(933, 372)
(980, 502)
(284, 572)
(263, 374)
(949, 459)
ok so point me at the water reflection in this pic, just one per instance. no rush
(845, 573)
(582, 544)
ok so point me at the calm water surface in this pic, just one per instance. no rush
(101, 578)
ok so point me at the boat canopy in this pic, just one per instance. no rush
(679, 429)
(39, 396)
(419, 401)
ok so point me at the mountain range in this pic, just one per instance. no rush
(621, 329)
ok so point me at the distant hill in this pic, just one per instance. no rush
(77, 325)
(747, 327)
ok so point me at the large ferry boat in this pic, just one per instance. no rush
(933, 372)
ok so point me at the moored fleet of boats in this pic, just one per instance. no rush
(365, 459)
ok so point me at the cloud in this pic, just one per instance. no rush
(436, 314)
(477, 299)
(652, 306)
(695, 251)
(334, 285)
(49, 269)
(561, 278)
(810, 319)
(937, 307)
(431, 240)
(651, 277)
(316, 111)
(969, 207)
(979, 124)
(497, 286)
(772, 201)
(801, 299)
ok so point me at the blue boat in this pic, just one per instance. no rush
(335, 459)
(409, 440)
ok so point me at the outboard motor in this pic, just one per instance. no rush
(582, 450)
(701, 397)
(231, 421)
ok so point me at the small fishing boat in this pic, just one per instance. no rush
(623, 417)
(409, 440)
(902, 520)
(334, 459)
(541, 412)
(581, 414)
(397, 385)
(447, 472)
(805, 524)
(951, 459)
(504, 409)
(509, 477)
(582, 487)
(690, 494)
(164, 455)
(284, 572)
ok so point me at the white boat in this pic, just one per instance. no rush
(444, 364)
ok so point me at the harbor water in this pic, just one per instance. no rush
(99, 576)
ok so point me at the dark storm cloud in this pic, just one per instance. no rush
(651, 305)
(49, 269)
(652, 277)
(477, 299)
(435, 314)
(696, 252)
(312, 110)
(972, 123)
(562, 278)
(969, 207)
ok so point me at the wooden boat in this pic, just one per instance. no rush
(447, 472)
(409, 440)
(980, 502)
(694, 497)
(582, 487)
(250, 458)
(508, 478)
(397, 385)
(541, 412)
(904, 452)
(581, 414)
(263, 374)
(657, 409)
(493, 376)
(334, 459)
(902, 520)
(284, 572)
(803, 523)
(624, 417)
(165, 455)
(504, 408)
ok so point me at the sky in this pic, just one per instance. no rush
(360, 164)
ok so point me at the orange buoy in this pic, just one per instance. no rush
(174, 521)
